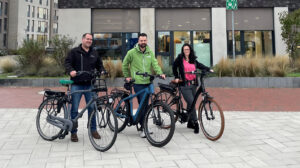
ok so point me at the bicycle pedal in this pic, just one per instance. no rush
(62, 137)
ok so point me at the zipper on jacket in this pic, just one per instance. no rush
(81, 62)
(144, 63)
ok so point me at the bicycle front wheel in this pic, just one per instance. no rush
(49, 107)
(159, 124)
(98, 121)
(121, 113)
(211, 119)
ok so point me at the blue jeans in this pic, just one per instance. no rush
(76, 97)
(143, 110)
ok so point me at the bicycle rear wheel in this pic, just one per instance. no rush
(211, 119)
(159, 124)
(49, 107)
(168, 98)
(103, 115)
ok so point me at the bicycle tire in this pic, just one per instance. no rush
(103, 114)
(211, 116)
(163, 124)
(48, 107)
(124, 110)
(168, 98)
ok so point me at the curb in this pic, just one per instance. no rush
(227, 82)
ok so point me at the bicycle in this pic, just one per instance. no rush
(54, 114)
(210, 114)
(159, 123)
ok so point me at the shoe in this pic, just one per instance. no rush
(191, 125)
(142, 134)
(96, 135)
(74, 137)
(196, 129)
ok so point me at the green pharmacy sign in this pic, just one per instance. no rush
(231, 4)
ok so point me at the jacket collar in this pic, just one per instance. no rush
(139, 50)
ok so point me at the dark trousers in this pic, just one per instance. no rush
(143, 110)
(188, 93)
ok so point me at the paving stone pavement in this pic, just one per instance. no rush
(250, 140)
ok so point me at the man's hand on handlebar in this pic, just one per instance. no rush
(163, 76)
(128, 79)
(73, 73)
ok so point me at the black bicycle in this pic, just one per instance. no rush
(159, 124)
(54, 121)
(210, 114)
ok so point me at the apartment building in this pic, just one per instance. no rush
(31, 19)
(3, 23)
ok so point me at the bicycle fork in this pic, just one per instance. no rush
(212, 116)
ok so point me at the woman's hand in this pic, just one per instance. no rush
(176, 80)
(211, 70)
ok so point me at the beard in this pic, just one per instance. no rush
(143, 45)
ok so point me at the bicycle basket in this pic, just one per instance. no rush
(99, 85)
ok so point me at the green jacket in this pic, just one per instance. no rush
(136, 61)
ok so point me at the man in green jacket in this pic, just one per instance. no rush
(140, 59)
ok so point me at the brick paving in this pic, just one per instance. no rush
(233, 99)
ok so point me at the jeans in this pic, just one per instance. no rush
(76, 100)
(188, 93)
(137, 88)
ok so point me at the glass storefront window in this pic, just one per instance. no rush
(109, 45)
(163, 42)
(201, 41)
(180, 37)
(251, 43)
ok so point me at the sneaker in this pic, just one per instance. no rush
(196, 129)
(96, 135)
(74, 137)
(142, 134)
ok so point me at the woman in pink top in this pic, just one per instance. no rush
(186, 62)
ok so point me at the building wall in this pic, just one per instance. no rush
(18, 21)
(3, 32)
(74, 23)
(292, 4)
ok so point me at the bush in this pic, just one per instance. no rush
(8, 65)
(3, 52)
(251, 67)
(110, 67)
(61, 46)
(224, 67)
(31, 56)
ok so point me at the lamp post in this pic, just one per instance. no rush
(232, 5)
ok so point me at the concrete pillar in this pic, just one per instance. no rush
(280, 46)
(147, 25)
(74, 23)
(219, 36)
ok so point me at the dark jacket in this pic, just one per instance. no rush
(178, 69)
(80, 60)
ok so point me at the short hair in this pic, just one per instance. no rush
(84, 35)
(142, 34)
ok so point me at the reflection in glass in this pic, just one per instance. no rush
(180, 37)
(252, 43)
(163, 41)
(108, 45)
(201, 40)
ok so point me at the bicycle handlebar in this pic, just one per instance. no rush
(93, 73)
(146, 74)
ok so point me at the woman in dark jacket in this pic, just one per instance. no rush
(186, 62)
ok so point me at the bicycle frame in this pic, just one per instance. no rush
(149, 90)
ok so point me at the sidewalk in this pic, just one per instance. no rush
(250, 140)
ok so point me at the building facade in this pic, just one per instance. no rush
(3, 23)
(30, 19)
(170, 23)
